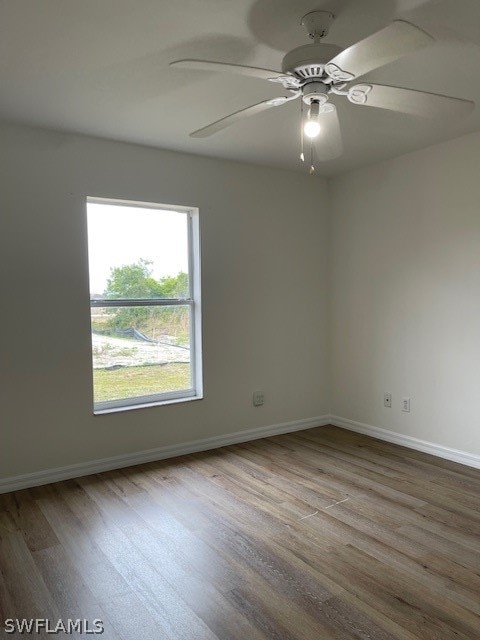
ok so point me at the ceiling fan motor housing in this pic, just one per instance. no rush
(308, 61)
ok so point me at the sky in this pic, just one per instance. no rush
(121, 235)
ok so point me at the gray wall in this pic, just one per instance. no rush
(264, 296)
(405, 294)
(393, 252)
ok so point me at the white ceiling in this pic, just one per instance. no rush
(101, 68)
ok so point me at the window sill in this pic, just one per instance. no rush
(146, 405)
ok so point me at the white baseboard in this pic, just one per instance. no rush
(24, 481)
(13, 483)
(469, 459)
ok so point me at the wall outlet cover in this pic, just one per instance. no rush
(258, 398)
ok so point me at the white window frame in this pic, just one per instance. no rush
(195, 392)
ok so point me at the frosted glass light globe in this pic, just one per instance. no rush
(311, 129)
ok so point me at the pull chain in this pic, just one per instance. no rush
(311, 171)
(302, 154)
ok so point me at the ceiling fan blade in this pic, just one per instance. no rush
(329, 144)
(417, 103)
(210, 65)
(387, 45)
(210, 129)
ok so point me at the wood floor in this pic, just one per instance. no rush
(315, 535)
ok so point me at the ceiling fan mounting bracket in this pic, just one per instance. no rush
(317, 23)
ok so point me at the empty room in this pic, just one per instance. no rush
(240, 325)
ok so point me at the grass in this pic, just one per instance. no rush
(130, 382)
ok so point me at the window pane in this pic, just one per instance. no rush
(137, 252)
(140, 351)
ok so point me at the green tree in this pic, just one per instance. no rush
(136, 281)
(133, 281)
(175, 286)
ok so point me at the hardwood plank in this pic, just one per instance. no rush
(319, 534)
(73, 599)
(27, 591)
(182, 566)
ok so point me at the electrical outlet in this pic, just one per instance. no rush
(387, 400)
(258, 398)
(406, 405)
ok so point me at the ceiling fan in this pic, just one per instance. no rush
(314, 72)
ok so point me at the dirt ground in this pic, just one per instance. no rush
(108, 352)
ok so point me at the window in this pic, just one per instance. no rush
(145, 303)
